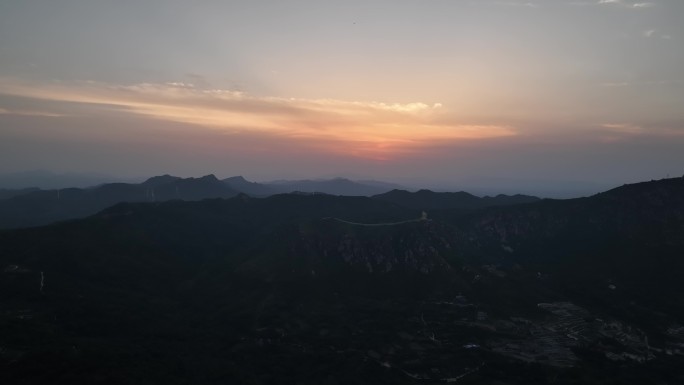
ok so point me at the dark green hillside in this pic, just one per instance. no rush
(313, 288)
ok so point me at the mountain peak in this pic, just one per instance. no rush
(239, 183)
(209, 177)
(236, 179)
(424, 191)
(161, 179)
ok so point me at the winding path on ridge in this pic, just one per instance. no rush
(377, 224)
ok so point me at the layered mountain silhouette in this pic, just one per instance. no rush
(426, 199)
(239, 183)
(294, 287)
(10, 193)
(335, 186)
(34, 208)
(50, 180)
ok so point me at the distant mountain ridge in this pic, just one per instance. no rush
(50, 180)
(35, 208)
(160, 180)
(239, 183)
(10, 193)
(426, 199)
(335, 186)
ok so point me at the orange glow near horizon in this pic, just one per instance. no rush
(369, 130)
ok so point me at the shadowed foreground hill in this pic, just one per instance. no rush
(322, 289)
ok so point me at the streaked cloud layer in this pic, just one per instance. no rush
(371, 88)
(628, 4)
(352, 124)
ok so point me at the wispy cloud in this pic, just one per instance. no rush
(652, 33)
(526, 4)
(4, 111)
(363, 125)
(627, 4)
(623, 127)
(619, 131)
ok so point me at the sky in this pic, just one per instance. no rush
(555, 93)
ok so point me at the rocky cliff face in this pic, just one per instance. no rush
(422, 246)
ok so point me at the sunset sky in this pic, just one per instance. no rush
(437, 91)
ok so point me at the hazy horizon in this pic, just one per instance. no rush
(558, 95)
(477, 185)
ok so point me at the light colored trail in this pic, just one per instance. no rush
(376, 224)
